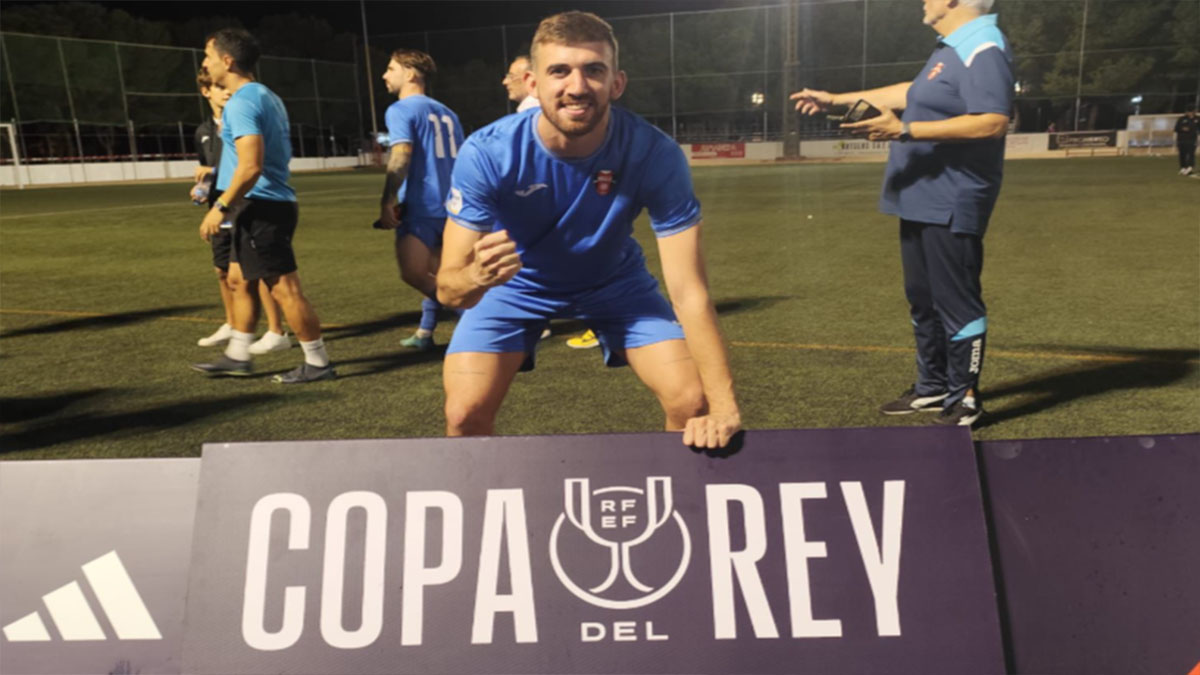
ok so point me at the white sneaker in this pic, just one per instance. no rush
(1187, 171)
(271, 342)
(218, 338)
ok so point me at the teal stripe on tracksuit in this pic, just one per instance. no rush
(973, 329)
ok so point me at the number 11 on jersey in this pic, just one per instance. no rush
(440, 147)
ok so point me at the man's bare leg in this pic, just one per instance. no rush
(668, 370)
(476, 384)
(418, 268)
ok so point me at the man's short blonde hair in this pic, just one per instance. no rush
(574, 27)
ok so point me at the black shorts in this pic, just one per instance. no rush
(222, 246)
(262, 238)
(221, 242)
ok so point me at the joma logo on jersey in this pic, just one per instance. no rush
(976, 354)
(531, 189)
(936, 70)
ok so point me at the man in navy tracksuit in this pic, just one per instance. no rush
(942, 180)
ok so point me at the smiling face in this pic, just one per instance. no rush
(576, 84)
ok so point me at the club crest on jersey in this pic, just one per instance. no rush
(604, 182)
(936, 70)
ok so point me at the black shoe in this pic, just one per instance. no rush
(959, 414)
(910, 402)
(306, 373)
(225, 367)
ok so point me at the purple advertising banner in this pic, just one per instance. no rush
(822, 551)
(94, 555)
(1098, 547)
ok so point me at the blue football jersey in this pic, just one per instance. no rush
(572, 218)
(969, 72)
(255, 110)
(436, 137)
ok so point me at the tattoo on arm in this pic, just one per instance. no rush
(397, 169)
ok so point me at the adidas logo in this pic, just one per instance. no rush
(73, 616)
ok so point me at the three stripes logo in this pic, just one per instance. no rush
(73, 617)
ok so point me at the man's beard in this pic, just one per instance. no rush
(577, 128)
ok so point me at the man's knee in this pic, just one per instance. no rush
(685, 401)
(286, 289)
(418, 279)
(469, 417)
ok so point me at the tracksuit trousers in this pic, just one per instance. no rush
(941, 281)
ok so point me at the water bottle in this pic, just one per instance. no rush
(201, 190)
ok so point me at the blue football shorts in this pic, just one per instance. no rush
(428, 230)
(626, 313)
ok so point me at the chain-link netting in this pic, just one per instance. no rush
(703, 75)
(75, 100)
(725, 74)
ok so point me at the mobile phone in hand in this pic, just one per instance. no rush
(861, 110)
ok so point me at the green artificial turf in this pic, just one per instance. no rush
(1092, 280)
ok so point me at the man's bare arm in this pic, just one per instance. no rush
(472, 262)
(892, 97)
(687, 285)
(960, 129)
(399, 158)
(249, 168)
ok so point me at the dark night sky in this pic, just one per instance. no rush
(397, 16)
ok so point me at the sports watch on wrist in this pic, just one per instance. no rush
(222, 206)
(905, 132)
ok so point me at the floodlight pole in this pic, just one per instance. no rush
(863, 85)
(674, 121)
(125, 105)
(362, 6)
(1079, 75)
(62, 61)
(791, 136)
(320, 122)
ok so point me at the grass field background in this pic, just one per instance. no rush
(1092, 279)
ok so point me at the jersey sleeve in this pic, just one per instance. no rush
(473, 185)
(244, 116)
(988, 85)
(399, 120)
(667, 192)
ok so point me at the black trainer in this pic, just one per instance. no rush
(225, 367)
(960, 414)
(306, 372)
(910, 402)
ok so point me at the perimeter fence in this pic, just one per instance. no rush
(76, 100)
(707, 75)
(725, 74)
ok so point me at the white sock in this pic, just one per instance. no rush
(239, 345)
(314, 353)
(424, 333)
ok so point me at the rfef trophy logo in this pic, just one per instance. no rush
(620, 519)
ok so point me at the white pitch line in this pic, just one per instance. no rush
(180, 203)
